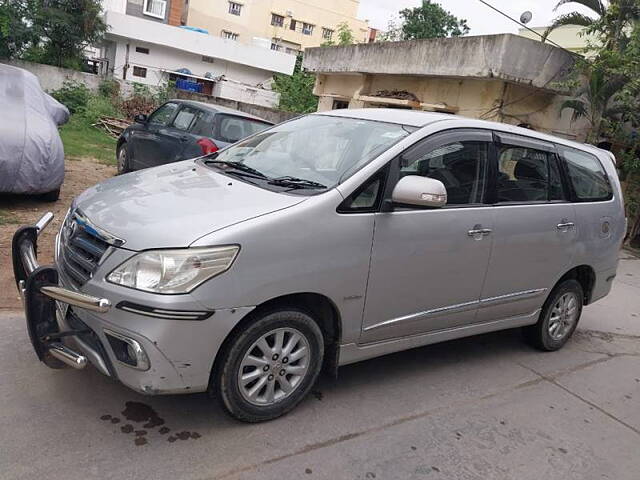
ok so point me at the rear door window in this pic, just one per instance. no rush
(588, 179)
(186, 118)
(528, 175)
(231, 128)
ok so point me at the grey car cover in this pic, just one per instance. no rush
(31, 152)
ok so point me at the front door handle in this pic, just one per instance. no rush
(478, 232)
(565, 225)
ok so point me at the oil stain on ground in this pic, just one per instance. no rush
(138, 412)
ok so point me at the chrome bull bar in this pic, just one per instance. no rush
(27, 251)
(42, 296)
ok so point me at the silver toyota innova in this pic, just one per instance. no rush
(326, 240)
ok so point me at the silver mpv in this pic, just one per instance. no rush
(323, 241)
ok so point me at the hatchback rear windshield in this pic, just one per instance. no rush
(230, 128)
(316, 148)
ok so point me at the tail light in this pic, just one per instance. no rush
(207, 146)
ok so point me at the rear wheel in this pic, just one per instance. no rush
(269, 367)
(123, 159)
(559, 317)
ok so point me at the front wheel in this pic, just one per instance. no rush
(269, 367)
(559, 317)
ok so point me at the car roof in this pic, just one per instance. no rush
(218, 109)
(419, 119)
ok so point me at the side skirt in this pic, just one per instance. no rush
(352, 352)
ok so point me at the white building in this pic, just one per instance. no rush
(137, 49)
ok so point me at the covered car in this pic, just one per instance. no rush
(31, 151)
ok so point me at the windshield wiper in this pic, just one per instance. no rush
(238, 166)
(295, 182)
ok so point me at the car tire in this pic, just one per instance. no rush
(122, 159)
(279, 355)
(559, 317)
(51, 196)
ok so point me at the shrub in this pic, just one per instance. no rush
(73, 94)
(109, 88)
(99, 106)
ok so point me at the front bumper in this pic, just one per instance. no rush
(39, 289)
(68, 327)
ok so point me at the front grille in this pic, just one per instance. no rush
(80, 250)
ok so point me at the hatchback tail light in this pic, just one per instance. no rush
(207, 146)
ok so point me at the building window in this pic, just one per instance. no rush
(142, 50)
(139, 72)
(235, 8)
(307, 29)
(276, 47)
(292, 51)
(293, 24)
(230, 35)
(277, 20)
(327, 33)
(155, 8)
(206, 59)
(340, 104)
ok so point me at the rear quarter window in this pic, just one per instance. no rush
(589, 181)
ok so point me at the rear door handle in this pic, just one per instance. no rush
(565, 225)
(478, 232)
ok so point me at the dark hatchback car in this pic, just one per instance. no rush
(182, 129)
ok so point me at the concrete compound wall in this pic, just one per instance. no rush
(269, 114)
(52, 78)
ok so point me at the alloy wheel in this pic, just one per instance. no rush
(274, 366)
(564, 315)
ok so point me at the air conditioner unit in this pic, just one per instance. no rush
(289, 13)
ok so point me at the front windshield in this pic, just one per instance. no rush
(319, 149)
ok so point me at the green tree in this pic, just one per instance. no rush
(16, 35)
(66, 28)
(597, 100)
(430, 20)
(296, 90)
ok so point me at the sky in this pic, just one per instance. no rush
(480, 18)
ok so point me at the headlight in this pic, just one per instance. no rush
(173, 271)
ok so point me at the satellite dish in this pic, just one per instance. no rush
(526, 17)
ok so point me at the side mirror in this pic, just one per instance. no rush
(140, 118)
(420, 192)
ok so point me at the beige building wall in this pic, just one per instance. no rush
(571, 37)
(255, 20)
(486, 99)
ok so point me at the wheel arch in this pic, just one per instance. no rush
(320, 307)
(586, 276)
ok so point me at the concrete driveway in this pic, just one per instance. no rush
(482, 408)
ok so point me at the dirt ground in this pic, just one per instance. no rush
(24, 210)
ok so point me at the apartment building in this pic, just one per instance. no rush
(287, 25)
(146, 44)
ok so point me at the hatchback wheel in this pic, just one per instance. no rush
(123, 160)
(269, 367)
(559, 317)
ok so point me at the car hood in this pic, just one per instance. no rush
(174, 205)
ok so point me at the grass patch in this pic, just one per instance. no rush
(80, 140)
(7, 218)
